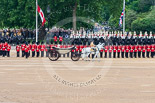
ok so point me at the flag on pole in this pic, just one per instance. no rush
(121, 17)
(41, 15)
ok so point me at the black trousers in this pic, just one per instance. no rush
(148, 54)
(152, 54)
(17, 54)
(55, 42)
(105, 55)
(118, 54)
(42, 53)
(114, 54)
(122, 54)
(126, 54)
(4, 53)
(33, 53)
(47, 53)
(29, 53)
(135, 54)
(60, 42)
(38, 54)
(143, 54)
(139, 54)
(0, 52)
(23, 53)
(131, 54)
(26, 54)
(8, 53)
(101, 54)
(109, 54)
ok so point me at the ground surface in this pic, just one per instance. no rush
(38, 80)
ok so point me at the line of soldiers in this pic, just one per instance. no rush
(35, 48)
(5, 49)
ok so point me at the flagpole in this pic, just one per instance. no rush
(124, 17)
(36, 21)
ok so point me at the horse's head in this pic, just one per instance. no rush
(101, 46)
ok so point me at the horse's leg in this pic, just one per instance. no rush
(98, 56)
(94, 56)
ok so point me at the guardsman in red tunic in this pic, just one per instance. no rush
(4, 48)
(27, 50)
(148, 51)
(8, 50)
(110, 50)
(33, 49)
(114, 51)
(42, 49)
(152, 50)
(38, 49)
(55, 39)
(143, 51)
(60, 39)
(23, 49)
(139, 51)
(30, 47)
(106, 51)
(127, 49)
(18, 49)
(132, 47)
(135, 51)
(119, 50)
(0, 48)
(123, 50)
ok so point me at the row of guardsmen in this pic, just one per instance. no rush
(34, 48)
(125, 51)
(5, 49)
(119, 51)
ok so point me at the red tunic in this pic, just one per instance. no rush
(110, 48)
(23, 47)
(144, 48)
(42, 47)
(132, 48)
(119, 48)
(9, 47)
(33, 48)
(127, 48)
(136, 48)
(123, 48)
(38, 48)
(3, 47)
(140, 48)
(17, 48)
(27, 49)
(30, 46)
(55, 38)
(61, 39)
(115, 48)
(106, 49)
(148, 48)
(152, 48)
